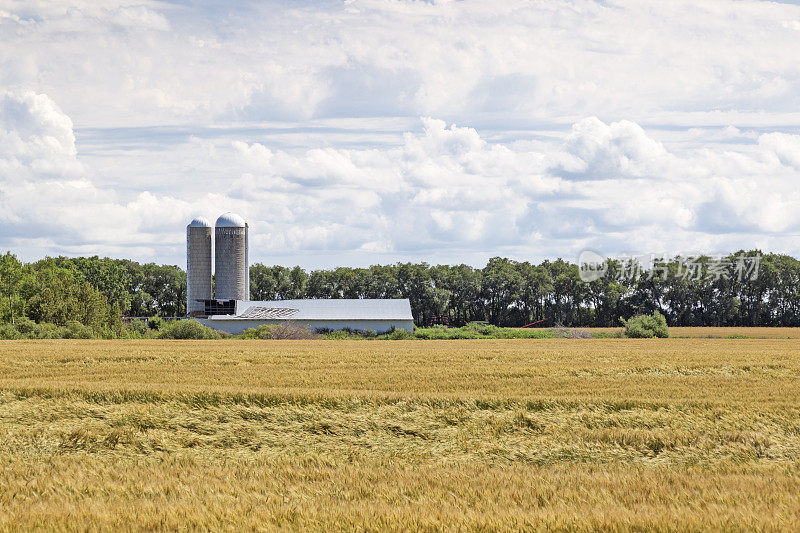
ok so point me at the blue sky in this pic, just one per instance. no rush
(372, 131)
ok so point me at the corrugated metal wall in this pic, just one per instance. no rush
(230, 255)
(198, 267)
(236, 326)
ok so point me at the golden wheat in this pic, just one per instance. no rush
(555, 433)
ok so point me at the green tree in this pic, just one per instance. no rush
(11, 275)
(501, 288)
(58, 295)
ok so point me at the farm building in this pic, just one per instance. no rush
(229, 309)
(377, 315)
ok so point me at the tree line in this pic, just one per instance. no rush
(704, 292)
(687, 291)
(97, 292)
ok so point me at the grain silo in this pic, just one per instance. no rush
(231, 280)
(198, 265)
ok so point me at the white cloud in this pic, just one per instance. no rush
(126, 62)
(442, 188)
(785, 147)
(620, 149)
(139, 17)
(36, 134)
(47, 195)
(548, 126)
(446, 187)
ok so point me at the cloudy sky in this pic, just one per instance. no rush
(370, 131)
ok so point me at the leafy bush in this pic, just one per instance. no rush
(348, 333)
(155, 322)
(618, 334)
(25, 326)
(7, 331)
(400, 335)
(263, 331)
(337, 335)
(286, 330)
(47, 331)
(136, 329)
(646, 326)
(478, 330)
(473, 330)
(76, 330)
(28, 329)
(187, 329)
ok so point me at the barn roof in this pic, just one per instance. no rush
(338, 309)
(268, 312)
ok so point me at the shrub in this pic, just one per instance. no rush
(359, 334)
(338, 335)
(76, 330)
(187, 329)
(285, 330)
(7, 331)
(478, 330)
(25, 326)
(646, 326)
(349, 333)
(136, 329)
(264, 331)
(618, 334)
(155, 322)
(46, 330)
(400, 335)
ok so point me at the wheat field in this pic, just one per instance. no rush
(573, 434)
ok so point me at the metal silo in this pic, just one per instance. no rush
(198, 265)
(232, 279)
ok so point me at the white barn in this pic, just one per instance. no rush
(380, 316)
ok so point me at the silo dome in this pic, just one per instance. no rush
(230, 220)
(200, 222)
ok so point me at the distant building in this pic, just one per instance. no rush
(380, 316)
(230, 309)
